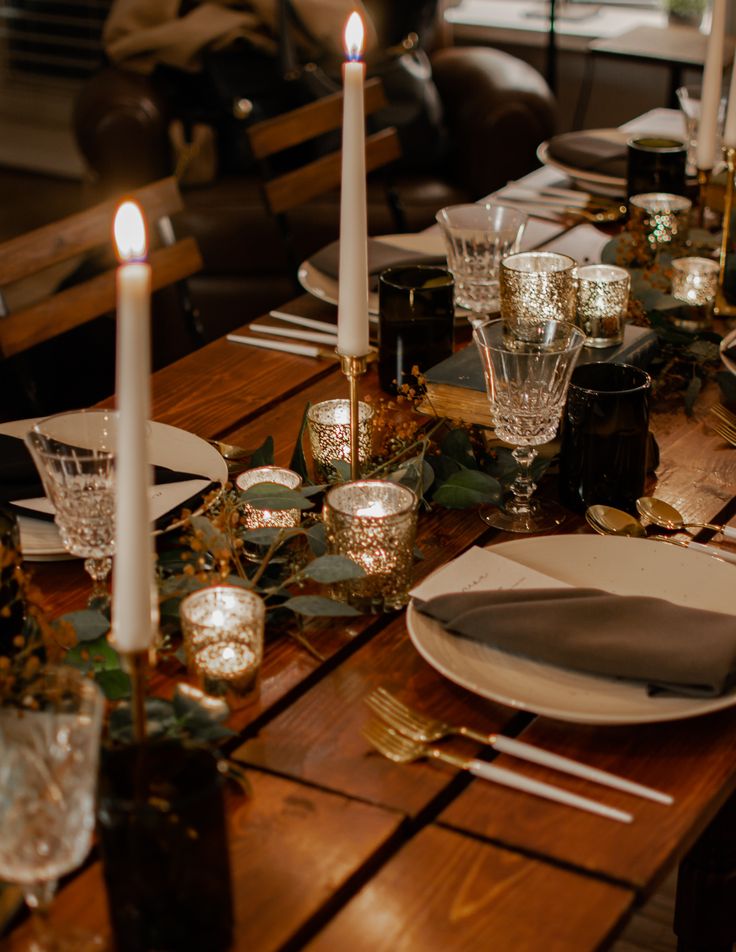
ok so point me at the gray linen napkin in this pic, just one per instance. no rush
(677, 650)
(380, 257)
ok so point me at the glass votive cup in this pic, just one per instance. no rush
(257, 518)
(603, 297)
(658, 221)
(694, 284)
(535, 287)
(223, 627)
(328, 423)
(373, 522)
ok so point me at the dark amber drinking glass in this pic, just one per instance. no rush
(416, 322)
(655, 164)
(605, 428)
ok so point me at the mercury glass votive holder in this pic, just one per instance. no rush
(659, 221)
(603, 297)
(223, 626)
(256, 518)
(694, 283)
(535, 287)
(373, 522)
(328, 423)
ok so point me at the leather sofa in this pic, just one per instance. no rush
(497, 110)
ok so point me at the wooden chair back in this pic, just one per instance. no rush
(28, 255)
(272, 136)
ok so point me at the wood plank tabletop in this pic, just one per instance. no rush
(338, 847)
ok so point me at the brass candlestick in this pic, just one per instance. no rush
(703, 183)
(723, 308)
(136, 664)
(354, 367)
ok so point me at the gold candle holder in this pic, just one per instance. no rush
(335, 426)
(694, 284)
(354, 367)
(135, 664)
(256, 518)
(373, 523)
(603, 296)
(725, 303)
(223, 629)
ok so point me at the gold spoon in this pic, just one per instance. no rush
(665, 516)
(609, 521)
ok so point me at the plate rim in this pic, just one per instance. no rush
(689, 707)
(600, 178)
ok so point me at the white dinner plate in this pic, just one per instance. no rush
(325, 288)
(170, 447)
(592, 181)
(624, 566)
(728, 341)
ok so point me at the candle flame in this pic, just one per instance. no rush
(354, 36)
(130, 232)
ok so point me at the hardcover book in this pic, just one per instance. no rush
(456, 387)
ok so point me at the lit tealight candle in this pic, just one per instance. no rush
(329, 434)
(352, 313)
(135, 609)
(256, 518)
(223, 635)
(373, 523)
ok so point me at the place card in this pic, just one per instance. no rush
(482, 570)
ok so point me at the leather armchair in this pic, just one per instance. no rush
(497, 110)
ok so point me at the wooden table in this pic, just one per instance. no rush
(339, 849)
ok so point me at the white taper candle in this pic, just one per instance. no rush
(710, 96)
(352, 315)
(134, 610)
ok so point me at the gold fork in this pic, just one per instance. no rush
(403, 750)
(724, 413)
(422, 728)
(724, 430)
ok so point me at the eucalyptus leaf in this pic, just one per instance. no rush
(316, 606)
(704, 349)
(97, 655)
(342, 468)
(333, 568)
(298, 462)
(316, 538)
(88, 624)
(727, 382)
(457, 446)
(263, 456)
(115, 685)
(691, 394)
(468, 488)
(211, 537)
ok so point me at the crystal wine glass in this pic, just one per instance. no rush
(527, 379)
(75, 457)
(477, 238)
(49, 746)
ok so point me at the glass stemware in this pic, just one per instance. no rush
(527, 379)
(75, 457)
(49, 747)
(477, 238)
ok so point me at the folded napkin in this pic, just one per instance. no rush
(588, 152)
(380, 257)
(673, 649)
(19, 477)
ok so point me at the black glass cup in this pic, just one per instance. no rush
(416, 322)
(605, 432)
(161, 822)
(655, 164)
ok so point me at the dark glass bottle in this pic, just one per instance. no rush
(12, 609)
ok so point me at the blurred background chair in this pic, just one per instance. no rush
(497, 109)
(57, 304)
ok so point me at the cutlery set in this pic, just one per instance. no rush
(403, 735)
(564, 203)
(607, 520)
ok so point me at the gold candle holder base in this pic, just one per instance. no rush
(354, 367)
(704, 176)
(723, 308)
(136, 664)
